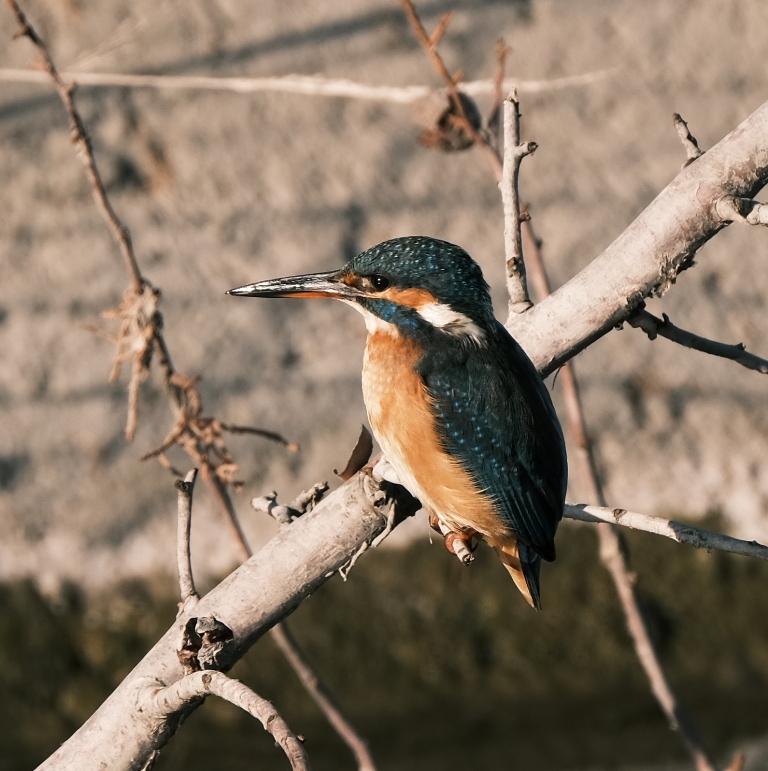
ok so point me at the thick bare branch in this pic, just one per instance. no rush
(160, 703)
(662, 327)
(514, 152)
(648, 256)
(187, 590)
(250, 601)
(681, 532)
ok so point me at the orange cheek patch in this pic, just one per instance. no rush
(413, 298)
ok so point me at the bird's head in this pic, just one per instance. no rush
(414, 286)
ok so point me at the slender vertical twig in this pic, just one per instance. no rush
(514, 152)
(612, 549)
(187, 591)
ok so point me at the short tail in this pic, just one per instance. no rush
(523, 565)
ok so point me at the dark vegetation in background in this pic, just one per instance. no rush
(441, 666)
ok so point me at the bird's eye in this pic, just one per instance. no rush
(379, 282)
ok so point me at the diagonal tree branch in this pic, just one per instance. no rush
(646, 258)
(82, 141)
(256, 596)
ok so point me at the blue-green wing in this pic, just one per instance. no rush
(496, 417)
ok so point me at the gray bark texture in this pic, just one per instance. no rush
(644, 260)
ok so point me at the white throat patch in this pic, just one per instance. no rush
(454, 323)
(372, 322)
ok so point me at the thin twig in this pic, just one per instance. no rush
(272, 435)
(305, 85)
(164, 701)
(322, 696)
(83, 143)
(692, 149)
(681, 532)
(451, 81)
(187, 589)
(663, 327)
(612, 549)
(514, 152)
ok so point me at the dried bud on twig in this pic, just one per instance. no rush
(441, 121)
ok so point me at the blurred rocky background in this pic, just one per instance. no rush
(220, 189)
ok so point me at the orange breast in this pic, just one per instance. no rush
(400, 414)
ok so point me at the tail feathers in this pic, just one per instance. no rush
(523, 565)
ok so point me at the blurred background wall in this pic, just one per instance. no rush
(220, 189)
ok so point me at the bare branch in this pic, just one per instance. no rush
(186, 488)
(160, 702)
(612, 550)
(459, 112)
(82, 142)
(514, 152)
(692, 149)
(322, 696)
(271, 435)
(732, 208)
(307, 85)
(256, 596)
(694, 536)
(663, 327)
(647, 257)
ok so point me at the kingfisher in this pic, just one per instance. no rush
(456, 405)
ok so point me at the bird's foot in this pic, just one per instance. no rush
(461, 543)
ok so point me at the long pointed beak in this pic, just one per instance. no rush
(312, 285)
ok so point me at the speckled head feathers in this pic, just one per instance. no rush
(443, 269)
